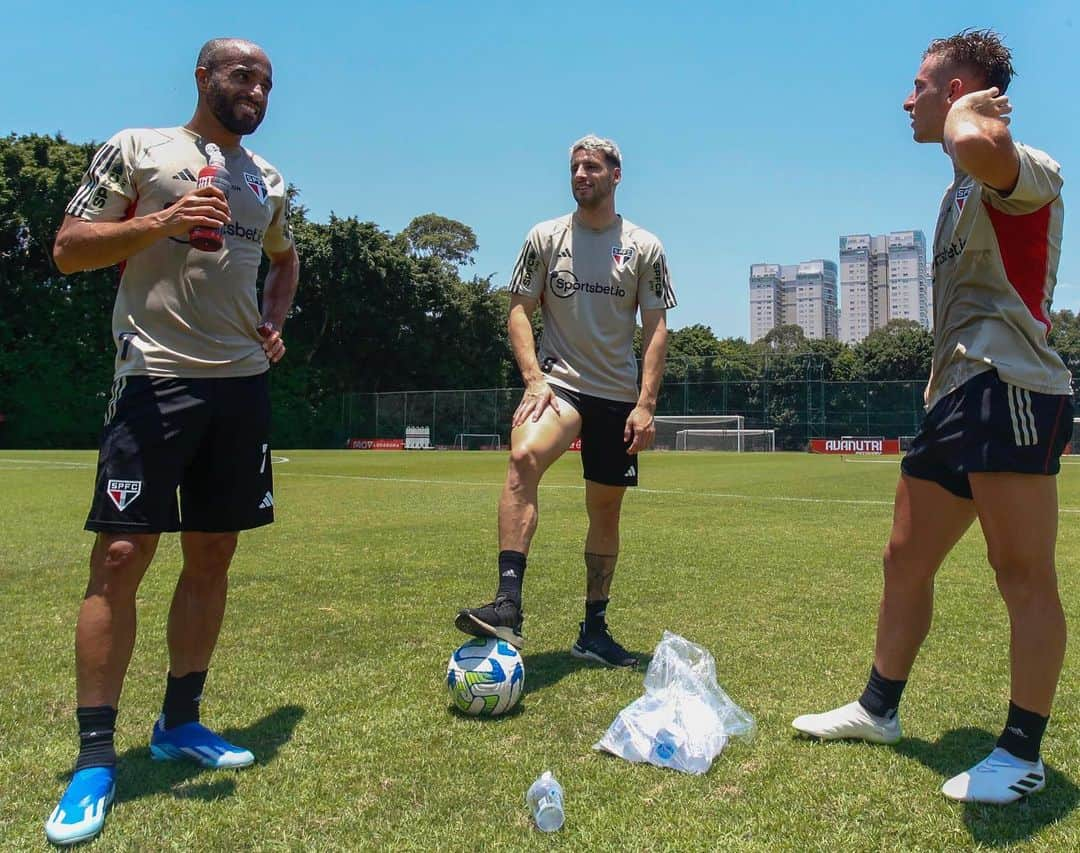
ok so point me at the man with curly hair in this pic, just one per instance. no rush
(999, 414)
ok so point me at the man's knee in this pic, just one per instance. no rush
(903, 563)
(1022, 577)
(209, 554)
(119, 562)
(525, 464)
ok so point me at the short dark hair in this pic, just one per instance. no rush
(978, 50)
(213, 53)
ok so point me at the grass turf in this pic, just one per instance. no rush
(331, 665)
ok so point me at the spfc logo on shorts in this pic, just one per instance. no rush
(256, 185)
(961, 196)
(621, 256)
(123, 492)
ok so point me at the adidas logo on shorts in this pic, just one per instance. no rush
(267, 502)
(631, 472)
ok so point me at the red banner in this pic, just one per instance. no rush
(375, 444)
(872, 446)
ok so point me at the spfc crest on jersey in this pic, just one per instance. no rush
(621, 256)
(123, 492)
(256, 185)
(961, 197)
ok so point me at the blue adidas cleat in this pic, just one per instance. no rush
(195, 742)
(80, 814)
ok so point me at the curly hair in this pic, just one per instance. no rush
(977, 50)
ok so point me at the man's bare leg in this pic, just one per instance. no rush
(928, 521)
(534, 446)
(603, 504)
(195, 617)
(1019, 516)
(105, 631)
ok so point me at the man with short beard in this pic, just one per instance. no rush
(189, 409)
(999, 414)
(589, 272)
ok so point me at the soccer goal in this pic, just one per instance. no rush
(668, 427)
(477, 441)
(1073, 447)
(735, 440)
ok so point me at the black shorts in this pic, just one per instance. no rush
(988, 425)
(603, 449)
(207, 438)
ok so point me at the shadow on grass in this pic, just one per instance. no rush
(547, 668)
(994, 826)
(138, 775)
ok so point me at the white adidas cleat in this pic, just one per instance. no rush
(849, 722)
(1000, 778)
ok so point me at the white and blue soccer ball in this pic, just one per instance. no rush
(485, 677)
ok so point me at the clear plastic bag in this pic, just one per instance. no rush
(685, 718)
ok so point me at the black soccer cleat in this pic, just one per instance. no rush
(600, 646)
(501, 619)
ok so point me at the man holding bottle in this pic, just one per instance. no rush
(189, 409)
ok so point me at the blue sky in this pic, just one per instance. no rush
(759, 133)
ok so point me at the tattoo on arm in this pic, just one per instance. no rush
(598, 571)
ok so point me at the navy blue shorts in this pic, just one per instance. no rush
(988, 425)
(209, 439)
(604, 458)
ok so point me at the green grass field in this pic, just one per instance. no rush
(332, 659)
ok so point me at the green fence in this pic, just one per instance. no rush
(797, 410)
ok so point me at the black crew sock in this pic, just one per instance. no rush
(1023, 733)
(182, 697)
(511, 575)
(882, 695)
(595, 616)
(96, 726)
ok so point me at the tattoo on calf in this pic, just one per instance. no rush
(598, 571)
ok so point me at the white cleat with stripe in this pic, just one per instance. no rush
(1000, 778)
(849, 722)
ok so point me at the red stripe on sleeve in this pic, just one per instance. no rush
(1023, 240)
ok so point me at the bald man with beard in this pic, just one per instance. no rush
(189, 411)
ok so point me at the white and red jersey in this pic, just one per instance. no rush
(995, 267)
(180, 311)
(590, 285)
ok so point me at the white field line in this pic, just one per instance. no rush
(682, 492)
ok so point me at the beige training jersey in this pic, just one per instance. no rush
(180, 311)
(995, 267)
(590, 285)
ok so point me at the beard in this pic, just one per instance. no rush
(224, 109)
(592, 197)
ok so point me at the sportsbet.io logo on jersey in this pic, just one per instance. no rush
(564, 284)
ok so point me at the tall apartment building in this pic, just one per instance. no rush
(882, 277)
(803, 294)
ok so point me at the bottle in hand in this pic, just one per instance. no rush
(213, 174)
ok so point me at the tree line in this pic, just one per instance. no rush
(375, 311)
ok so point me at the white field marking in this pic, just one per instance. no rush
(16, 464)
(279, 460)
(684, 493)
(871, 461)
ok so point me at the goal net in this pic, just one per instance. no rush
(737, 440)
(477, 441)
(1073, 447)
(668, 427)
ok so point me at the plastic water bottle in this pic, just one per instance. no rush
(545, 798)
(213, 174)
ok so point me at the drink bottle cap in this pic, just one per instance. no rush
(214, 155)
